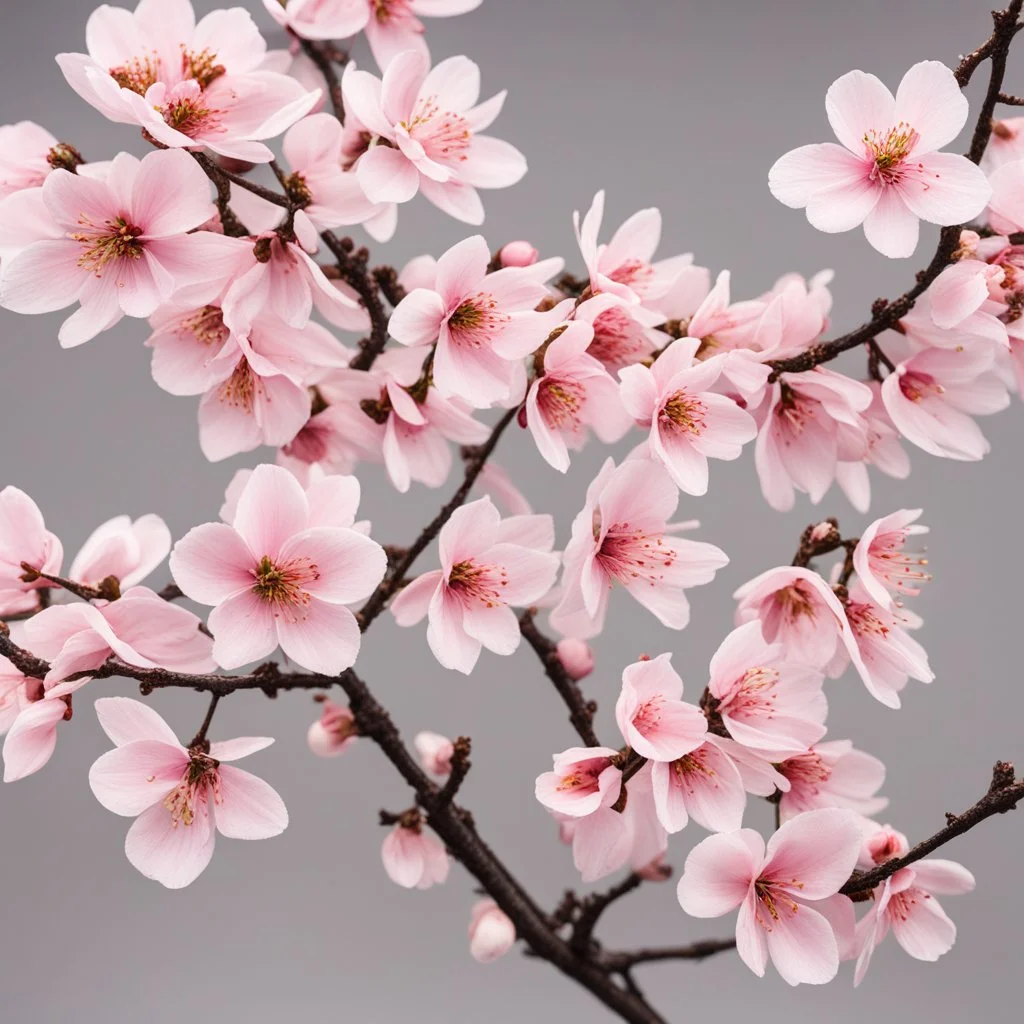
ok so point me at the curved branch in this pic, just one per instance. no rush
(695, 951)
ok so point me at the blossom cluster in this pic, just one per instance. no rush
(230, 276)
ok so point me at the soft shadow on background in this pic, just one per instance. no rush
(683, 105)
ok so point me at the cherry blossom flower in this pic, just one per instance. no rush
(888, 173)
(487, 565)
(313, 149)
(576, 657)
(765, 699)
(482, 323)
(491, 932)
(129, 551)
(425, 124)
(333, 732)
(933, 395)
(583, 780)
(188, 85)
(321, 19)
(119, 247)
(28, 154)
(435, 752)
(624, 265)
(651, 714)
(883, 566)
(687, 422)
(276, 577)
(832, 774)
(906, 903)
(889, 654)
(798, 611)
(571, 393)
(811, 422)
(782, 891)
(180, 797)
(414, 858)
(140, 628)
(704, 784)
(622, 535)
(32, 737)
(24, 540)
(619, 338)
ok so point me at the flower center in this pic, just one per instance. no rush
(190, 797)
(889, 151)
(794, 410)
(473, 582)
(445, 136)
(110, 242)
(184, 110)
(284, 585)
(390, 11)
(807, 770)
(684, 413)
(618, 339)
(582, 775)
(201, 67)
(694, 763)
(754, 692)
(901, 569)
(771, 900)
(865, 621)
(560, 402)
(648, 715)
(241, 388)
(630, 555)
(794, 602)
(917, 386)
(477, 321)
(138, 74)
(632, 273)
(206, 326)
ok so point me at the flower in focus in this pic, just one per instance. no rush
(129, 551)
(413, 857)
(180, 798)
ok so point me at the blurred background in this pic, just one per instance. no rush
(683, 105)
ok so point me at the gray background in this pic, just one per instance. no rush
(683, 105)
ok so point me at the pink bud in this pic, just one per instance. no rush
(576, 657)
(435, 752)
(822, 531)
(491, 933)
(334, 732)
(518, 254)
(885, 844)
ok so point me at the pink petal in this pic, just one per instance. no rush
(857, 104)
(32, 739)
(244, 631)
(601, 844)
(350, 564)
(751, 942)
(248, 808)
(412, 602)
(492, 163)
(844, 206)
(417, 318)
(453, 647)
(325, 639)
(803, 946)
(458, 200)
(171, 194)
(531, 574)
(923, 930)
(271, 508)
(819, 849)
(800, 174)
(387, 176)
(714, 793)
(891, 227)
(129, 779)
(461, 270)
(944, 877)
(932, 103)
(496, 627)
(42, 278)
(236, 749)
(471, 530)
(718, 873)
(127, 721)
(171, 853)
(212, 562)
(454, 84)
(945, 188)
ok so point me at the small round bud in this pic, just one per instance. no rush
(576, 657)
(518, 254)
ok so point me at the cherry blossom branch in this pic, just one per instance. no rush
(476, 458)
(620, 962)
(885, 314)
(325, 56)
(595, 905)
(581, 711)
(1004, 793)
(1011, 101)
(109, 588)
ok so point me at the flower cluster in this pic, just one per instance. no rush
(245, 289)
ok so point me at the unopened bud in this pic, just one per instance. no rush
(576, 657)
(435, 753)
(518, 254)
(491, 932)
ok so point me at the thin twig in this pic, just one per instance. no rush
(619, 962)
(325, 65)
(595, 905)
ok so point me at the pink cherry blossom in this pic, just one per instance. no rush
(32, 737)
(394, 25)
(13, 693)
(810, 422)
(119, 247)
(313, 149)
(414, 858)
(622, 535)
(426, 127)
(571, 394)
(624, 265)
(798, 611)
(435, 752)
(888, 173)
(906, 903)
(619, 338)
(832, 774)
(333, 732)
(180, 797)
(882, 564)
(934, 394)
(882, 845)
(140, 628)
(491, 932)
(518, 254)
(651, 714)
(126, 550)
(781, 891)
(487, 565)
(890, 655)
(576, 657)
(765, 699)
(483, 323)
(687, 422)
(583, 781)
(24, 540)
(277, 577)
(26, 150)
(704, 784)
(321, 19)
(188, 85)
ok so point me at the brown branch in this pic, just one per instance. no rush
(594, 906)
(1004, 793)
(325, 57)
(1010, 100)
(619, 962)
(393, 581)
(886, 314)
(109, 588)
(460, 765)
(581, 711)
